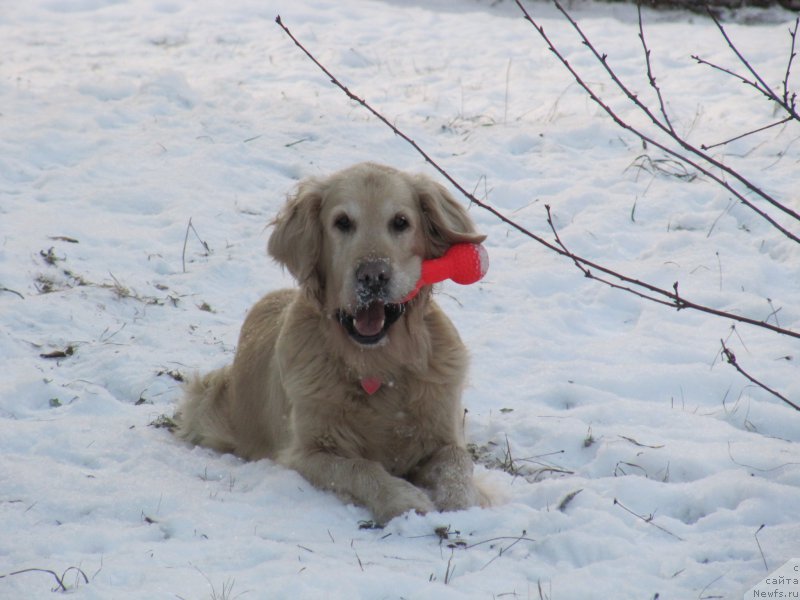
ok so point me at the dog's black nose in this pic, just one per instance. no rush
(373, 277)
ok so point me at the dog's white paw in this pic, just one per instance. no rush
(456, 495)
(400, 499)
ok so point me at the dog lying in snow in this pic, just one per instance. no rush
(342, 380)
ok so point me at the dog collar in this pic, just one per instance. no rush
(371, 384)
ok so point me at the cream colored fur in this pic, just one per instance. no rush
(293, 392)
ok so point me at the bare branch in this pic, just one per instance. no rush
(588, 273)
(732, 73)
(651, 78)
(744, 135)
(603, 60)
(787, 98)
(730, 357)
(763, 86)
(668, 298)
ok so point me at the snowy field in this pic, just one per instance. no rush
(632, 462)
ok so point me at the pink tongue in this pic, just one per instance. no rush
(369, 320)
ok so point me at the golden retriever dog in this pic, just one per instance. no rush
(341, 379)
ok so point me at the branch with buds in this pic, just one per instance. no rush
(675, 146)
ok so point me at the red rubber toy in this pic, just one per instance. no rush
(463, 263)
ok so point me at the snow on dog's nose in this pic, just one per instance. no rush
(372, 280)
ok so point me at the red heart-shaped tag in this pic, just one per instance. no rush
(371, 384)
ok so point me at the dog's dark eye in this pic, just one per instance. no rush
(343, 223)
(400, 223)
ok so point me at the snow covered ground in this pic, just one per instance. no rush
(637, 463)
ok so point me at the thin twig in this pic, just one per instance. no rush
(358, 558)
(650, 77)
(451, 568)
(542, 595)
(59, 580)
(744, 135)
(786, 98)
(10, 291)
(763, 86)
(702, 596)
(759, 469)
(603, 60)
(588, 273)
(503, 550)
(734, 74)
(190, 227)
(648, 519)
(672, 298)
(185, 240)
(788, 103)
(730, 357)
(516, 539)
(764, 558)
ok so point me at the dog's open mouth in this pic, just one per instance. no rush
(370, 322)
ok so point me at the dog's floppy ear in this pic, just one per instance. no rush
(296, 237)
(446, 221)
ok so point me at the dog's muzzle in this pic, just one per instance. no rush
(370, 323)
(374, 314)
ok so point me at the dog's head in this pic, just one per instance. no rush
(355, 241)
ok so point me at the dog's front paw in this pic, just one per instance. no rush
(400, 499)
(447, 476)
(456, 495)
